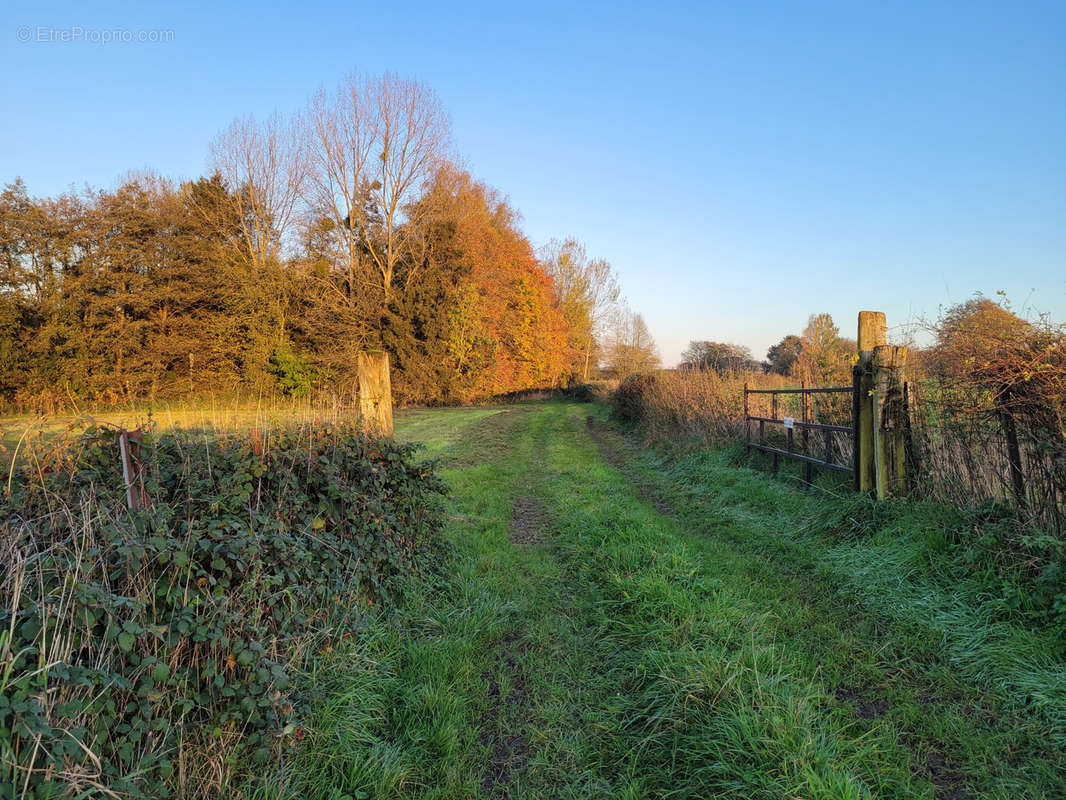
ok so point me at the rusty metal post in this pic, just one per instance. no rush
(808, 468)
(747, 420)
(856, 401)
(773, 413)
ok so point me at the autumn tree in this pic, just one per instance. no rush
(42, 245)
(999, 361)
(823, 359)
(19, 281)
(483, 308)
(992, 370)
(262, 166)
(587, 291)
(306, 243)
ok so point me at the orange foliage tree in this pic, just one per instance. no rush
(500, 329)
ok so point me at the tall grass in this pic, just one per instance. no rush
(691, 403)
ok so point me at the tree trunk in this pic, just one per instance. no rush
(1014, 456)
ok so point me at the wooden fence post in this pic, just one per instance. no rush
(890, 416)
(129, 448)
(375, 392)
(873, 333)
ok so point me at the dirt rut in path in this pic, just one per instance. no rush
(502, 726)
(508, 750)
(615, 459)
(529, 521)
(485, 441)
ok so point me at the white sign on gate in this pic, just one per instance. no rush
(789, 422)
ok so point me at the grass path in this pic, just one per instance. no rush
(620, 625)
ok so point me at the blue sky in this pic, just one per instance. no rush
(742, 165)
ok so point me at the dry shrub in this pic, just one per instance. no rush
(692, 403)
(989, 413)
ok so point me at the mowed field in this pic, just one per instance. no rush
(239, 415)
(622, 622)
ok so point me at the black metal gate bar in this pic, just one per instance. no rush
(805, 426)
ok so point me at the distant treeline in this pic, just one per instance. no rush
(820, 355)
(346, 227)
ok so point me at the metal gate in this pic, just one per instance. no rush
(837, 438)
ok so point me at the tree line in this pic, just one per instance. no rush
(819, 356)
(346, 226)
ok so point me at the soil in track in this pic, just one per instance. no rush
(508, 749)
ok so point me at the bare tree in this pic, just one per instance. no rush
(630, 348)
(414, 135)
(719, 356)
(263, 166)
(340, 130)
(373, 144)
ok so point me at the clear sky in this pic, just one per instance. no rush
(742, 165)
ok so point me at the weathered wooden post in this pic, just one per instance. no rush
(129, 449)
(1014, 453)
(375, 392)
(873, 333)
(890, 415)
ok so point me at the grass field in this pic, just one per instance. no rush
(225, 415)
(238, 414)
(625, 623)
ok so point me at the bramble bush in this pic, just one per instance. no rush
(151, 653)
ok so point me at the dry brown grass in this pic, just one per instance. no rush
(697, 403)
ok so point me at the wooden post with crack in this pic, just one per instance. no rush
(129, 448)
(873, 333)
(881, 403)
(375, 392)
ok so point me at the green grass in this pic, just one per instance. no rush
(676, 624)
